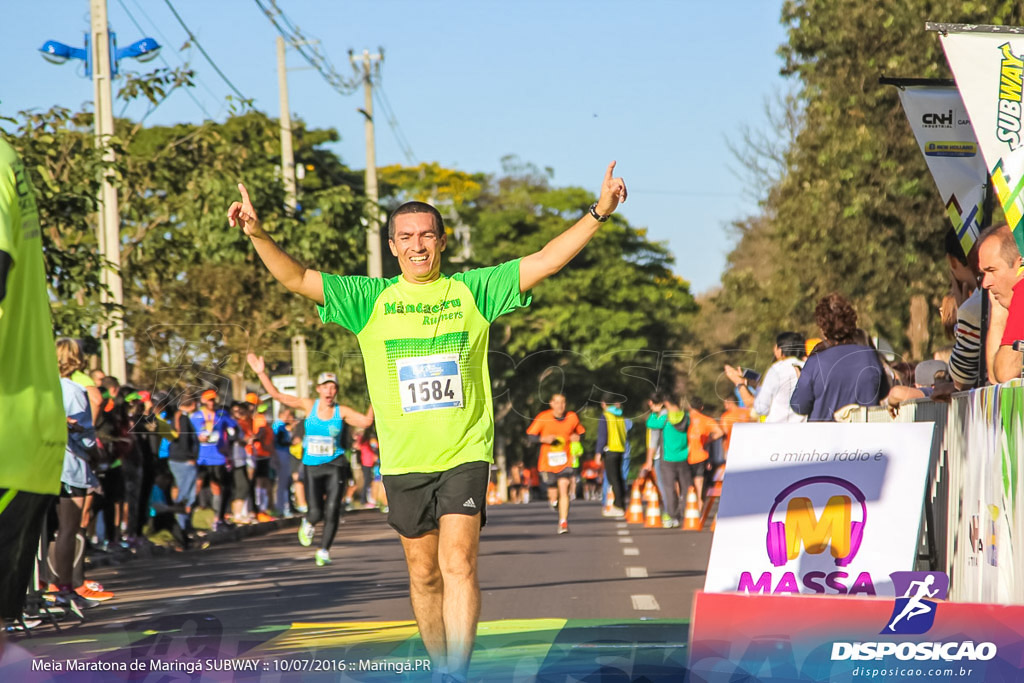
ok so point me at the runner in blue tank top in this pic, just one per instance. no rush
(323, 452)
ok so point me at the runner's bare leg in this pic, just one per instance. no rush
(457, 551)
(426, 591)
(563, 497)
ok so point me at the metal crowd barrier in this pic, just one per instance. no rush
(973, 518)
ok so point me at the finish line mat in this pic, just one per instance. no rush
(196, 648)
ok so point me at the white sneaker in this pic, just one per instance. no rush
(323, 557)
(306, 533)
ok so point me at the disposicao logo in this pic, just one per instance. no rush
(913, 614)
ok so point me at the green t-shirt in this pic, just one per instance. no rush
(425, 352)
(32, 425)
(676, 445)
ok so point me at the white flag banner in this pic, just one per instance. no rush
(988, 67)
(943, 131)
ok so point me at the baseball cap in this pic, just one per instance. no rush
(209, 394)
(325, 377)
(252, 398)
(924, 373)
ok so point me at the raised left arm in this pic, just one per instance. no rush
(557, 253)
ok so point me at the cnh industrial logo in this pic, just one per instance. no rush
(913, 613)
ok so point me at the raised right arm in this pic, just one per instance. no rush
(286, 270)
(259, 367)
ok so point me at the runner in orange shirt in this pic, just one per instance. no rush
(554, 430)
(259, 446)
(703, 430)
(733, 414)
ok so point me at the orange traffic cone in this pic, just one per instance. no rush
(652, 520)
(609, 504)
(492, 494)
(650, 491)
(635, 514)
(691, 518)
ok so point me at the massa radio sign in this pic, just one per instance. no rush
(815, 516)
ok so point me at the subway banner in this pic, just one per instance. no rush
(988, 63)
(819, 508)
(943, 131)
(917, 636)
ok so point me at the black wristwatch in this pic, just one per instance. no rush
(598, 217)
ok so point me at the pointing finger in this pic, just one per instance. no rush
(245, 194)
(608, 173)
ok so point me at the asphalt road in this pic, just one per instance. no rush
(607, 599)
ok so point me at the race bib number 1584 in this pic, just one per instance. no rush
(429, 382)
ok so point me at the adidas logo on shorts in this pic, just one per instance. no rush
(469, 504)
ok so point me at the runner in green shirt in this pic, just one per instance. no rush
(33, 430)
(424, 337)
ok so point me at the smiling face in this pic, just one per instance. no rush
(418, 247)
(558, 406)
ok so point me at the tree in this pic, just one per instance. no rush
(855, 210)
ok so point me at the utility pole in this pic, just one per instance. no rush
(287, 155)
(367, 66)
(300, 364)
(109, 224)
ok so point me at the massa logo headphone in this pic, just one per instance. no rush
(776, 540)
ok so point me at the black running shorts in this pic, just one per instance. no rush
(417, 501)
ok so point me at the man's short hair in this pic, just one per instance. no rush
(697, 403)
(659, 397)
(791, 344)
(1007, 245)
(415, 207)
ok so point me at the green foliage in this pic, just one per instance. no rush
(855, 210)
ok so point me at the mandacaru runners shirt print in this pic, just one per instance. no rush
(425, 352)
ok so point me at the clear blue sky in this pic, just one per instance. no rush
(660, 86)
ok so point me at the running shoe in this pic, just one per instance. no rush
(563, 527)
(306, 533)
(93, 594)
(614, 512)
(264, 517)
(322, 557)
(70, 600)
(554, 504)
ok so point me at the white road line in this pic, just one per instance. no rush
(636, 572)
(621, 525)
(623, 532)
(625, 539)
(644, 602)
(631, 551)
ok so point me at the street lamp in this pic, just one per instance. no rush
(101, 56)
(57, 52)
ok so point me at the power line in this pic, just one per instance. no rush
(389, 114)
(195, 41)
(162, 59)
(160, 33)
(306, 47)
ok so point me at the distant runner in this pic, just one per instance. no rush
(323, 453)
(424, 340)
(555, 429)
